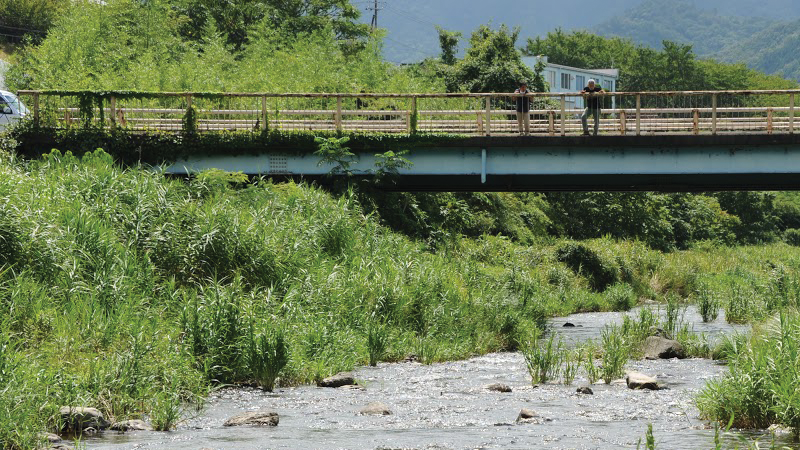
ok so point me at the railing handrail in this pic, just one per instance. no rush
(414, 95)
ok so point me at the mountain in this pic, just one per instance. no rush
(681, 21)
(775, 50)
(411, 33)
(766, 44)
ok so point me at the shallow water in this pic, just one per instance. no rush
(447, 406)
(590, 325)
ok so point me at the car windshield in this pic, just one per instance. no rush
(16, 103)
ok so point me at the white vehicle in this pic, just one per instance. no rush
(11, 109)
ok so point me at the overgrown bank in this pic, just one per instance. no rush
(134, 293)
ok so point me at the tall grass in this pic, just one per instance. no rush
(138, 293)
(762, 386)
(543, 358)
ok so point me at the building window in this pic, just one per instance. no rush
(609, 85)
(565, 81)
(580, 82)
(551, 78)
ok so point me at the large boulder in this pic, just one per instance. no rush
(255, 418)
(636, 380)
(76, 419)
(131, 425)
(338, 380)
(656, 347)
(376, 409)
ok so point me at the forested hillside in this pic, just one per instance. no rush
(774, 50)
(727, 34)
(708, 31)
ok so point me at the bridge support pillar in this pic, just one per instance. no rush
(483, 166)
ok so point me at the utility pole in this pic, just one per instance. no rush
(375, 15)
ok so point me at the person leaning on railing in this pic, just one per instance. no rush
(592, 106)
(523, 109)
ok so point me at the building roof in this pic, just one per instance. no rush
(609, 73)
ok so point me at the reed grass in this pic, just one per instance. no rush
(133, 292)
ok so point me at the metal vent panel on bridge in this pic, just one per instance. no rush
(278, 165)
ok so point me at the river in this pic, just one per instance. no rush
(447, 406)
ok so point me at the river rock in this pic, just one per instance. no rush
(375, 409)
(656, 347)
(585, 390)
(569, 325)
(499, 387)
(131, 425)
(338, 380)
(52, 438)
(638, 380)
(527, 416)
(257, 418)
(79, 419)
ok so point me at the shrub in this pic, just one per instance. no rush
(792, 237)
(621, 297)
(585, 261)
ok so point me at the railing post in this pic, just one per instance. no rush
(112, 101)
(338, 118)
(264, 117)
(551, 119)
(489, 115)
(36, 109)
(623, 122)
(696, 122)
(770, 125)
(413, 117)
(791, 113)
(563, 115)
(638, 114)
(714, 114)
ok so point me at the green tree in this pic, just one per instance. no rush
(290, 17)
(492, 63)
(29, 17)
(448, 40)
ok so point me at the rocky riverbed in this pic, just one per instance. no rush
(451, 406)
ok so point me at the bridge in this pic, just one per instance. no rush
(665, 141)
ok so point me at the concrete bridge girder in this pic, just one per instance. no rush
(536, 164)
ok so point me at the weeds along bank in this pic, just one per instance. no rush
(131, 292)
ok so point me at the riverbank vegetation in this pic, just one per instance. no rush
(136, 293)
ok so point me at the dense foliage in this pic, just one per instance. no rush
(132, 45)
(674, 67)
(31, 18)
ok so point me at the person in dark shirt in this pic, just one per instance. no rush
(523, 109)
(592, 106)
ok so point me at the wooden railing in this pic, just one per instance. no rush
(623, 113)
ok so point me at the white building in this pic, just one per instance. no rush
(572, 79)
